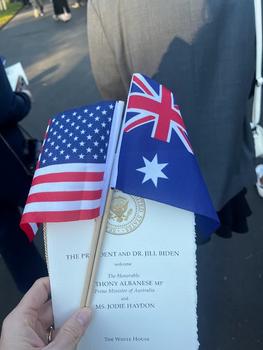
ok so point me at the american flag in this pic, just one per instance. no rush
(155, 157)
(68, 181)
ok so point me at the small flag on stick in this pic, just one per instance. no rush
(69, 182)
(155, 157)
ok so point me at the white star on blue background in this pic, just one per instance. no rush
(153, 170)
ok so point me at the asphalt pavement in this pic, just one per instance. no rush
(230, 271)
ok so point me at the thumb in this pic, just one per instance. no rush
(73, 329)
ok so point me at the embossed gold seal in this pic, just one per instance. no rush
(126, 213)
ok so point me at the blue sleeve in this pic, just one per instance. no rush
(14, 106)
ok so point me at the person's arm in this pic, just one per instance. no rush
(26, 327)
(14, 106)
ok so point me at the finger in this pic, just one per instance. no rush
(41, 331)
(70, 333)
(37, 295)
(45, 314)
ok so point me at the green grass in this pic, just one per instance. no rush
(12, 9)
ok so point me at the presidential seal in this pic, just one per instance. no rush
(126, 213)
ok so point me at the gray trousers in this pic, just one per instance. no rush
(37, 4)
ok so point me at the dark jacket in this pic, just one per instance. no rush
(14, 182)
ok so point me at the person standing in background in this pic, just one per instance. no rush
(38, 8)
(192, 47)
(20, 256)
(61, 10)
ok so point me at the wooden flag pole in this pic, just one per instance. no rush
(91, 275)
(93, 248)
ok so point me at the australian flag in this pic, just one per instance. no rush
(155, 156)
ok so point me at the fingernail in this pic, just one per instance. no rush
(84, 316)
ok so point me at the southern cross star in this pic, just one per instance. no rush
(152, 170)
